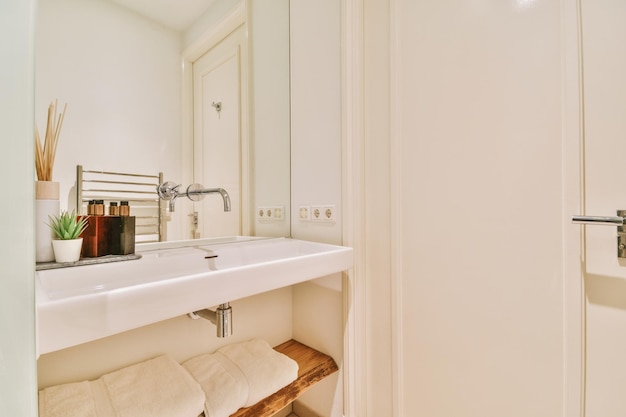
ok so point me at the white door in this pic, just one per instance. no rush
(217, 135)
(479, 104)
(604, 66)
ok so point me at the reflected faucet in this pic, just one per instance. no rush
(169, 192)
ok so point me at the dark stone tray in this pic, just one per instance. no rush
(40, 266)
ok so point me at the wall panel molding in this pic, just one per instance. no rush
(353, 165)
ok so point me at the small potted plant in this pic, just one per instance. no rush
(67, 228)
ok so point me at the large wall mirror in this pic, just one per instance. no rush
(125, 71)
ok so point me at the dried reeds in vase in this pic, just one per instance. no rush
(44, 155)
(46, 190)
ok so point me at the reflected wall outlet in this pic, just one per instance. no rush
(304, 213)
(270, 213)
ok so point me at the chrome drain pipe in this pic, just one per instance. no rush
(222, 317)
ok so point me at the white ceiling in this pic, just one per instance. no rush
(175, 14)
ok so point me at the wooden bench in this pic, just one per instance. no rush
(313, 366)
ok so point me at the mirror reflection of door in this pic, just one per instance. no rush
(604, 66)
(217, 135)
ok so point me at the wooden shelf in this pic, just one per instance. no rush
(313, 366)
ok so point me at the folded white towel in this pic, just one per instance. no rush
(237, 375)
(159, 387)
(223, 382)
(265, 369)
(67, 400)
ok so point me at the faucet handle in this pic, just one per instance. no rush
(168, 190)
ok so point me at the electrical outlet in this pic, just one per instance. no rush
(329, 213)
(304, 213)
(270, 213)
(278, 213)
(323, 213)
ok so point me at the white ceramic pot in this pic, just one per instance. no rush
(67, 250)
(46, 205)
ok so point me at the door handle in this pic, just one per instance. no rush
(619, 221)
(601, 220)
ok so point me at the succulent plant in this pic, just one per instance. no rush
(68, 226)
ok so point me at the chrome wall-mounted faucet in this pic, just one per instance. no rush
(169, 191)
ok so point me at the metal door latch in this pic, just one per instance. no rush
(619, 221)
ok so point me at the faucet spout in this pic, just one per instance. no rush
(195, 192)
(224, 195)
(168, 191)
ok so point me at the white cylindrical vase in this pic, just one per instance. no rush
(46, 204)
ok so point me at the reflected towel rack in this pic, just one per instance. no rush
(138, 189)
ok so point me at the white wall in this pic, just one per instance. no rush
(473, 162)
(209, 19)
(17, 310)
(316, 115)
(270, 112)
(120, 75)
(316, 178)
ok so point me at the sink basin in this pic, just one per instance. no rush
(84, 303)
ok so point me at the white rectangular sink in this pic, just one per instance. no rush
(79, 304)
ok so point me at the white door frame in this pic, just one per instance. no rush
(237, 17)
(354, 297)
(573, 203)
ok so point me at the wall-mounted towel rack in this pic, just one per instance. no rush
(138, 189)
